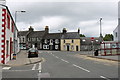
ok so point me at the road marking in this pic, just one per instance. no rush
(64, 60)
(104, 77)
(34, 67)
(6, 68)
(56, 57)
(40, 68)
(81, 68)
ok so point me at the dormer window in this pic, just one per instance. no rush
(72, 41)
(51, 41)
(45, 41)
(56, 41)
(83, 40)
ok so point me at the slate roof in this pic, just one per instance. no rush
(36, 34)
(70, 35)
(53, 36)
(87, 40)
(23, 33)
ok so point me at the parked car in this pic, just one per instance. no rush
(32, 52)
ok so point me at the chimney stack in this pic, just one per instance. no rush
(64, 30)
(31, 29)
(78, 31)
(46, 29)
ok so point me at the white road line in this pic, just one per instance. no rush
(6, 68)
(34, 67)
(104, 77)
(40, 67)
(56, 57)
(64, 60)
(81, 68)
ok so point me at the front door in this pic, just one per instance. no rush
(67, 47)
(76, 48)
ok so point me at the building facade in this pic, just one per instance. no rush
(7, 29)
(116, 32)
(90, 43)
(70, 41)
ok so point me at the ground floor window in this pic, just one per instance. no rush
(64, 47)
(56, 46)
(72, 47)
(45, 46)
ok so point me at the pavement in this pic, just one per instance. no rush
(90, 54)
(21, 59)
(112, 58)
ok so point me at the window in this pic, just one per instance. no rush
(45, 41)
(7, 42)
(56, 41)
(56, 46)
(96, 40)
(72, 41)
(116, 34)
(23, 39)
(83, 40)
(72, 47)
(51, 41)
(64, 41)
(45, 46)
(64, 47)
(8, 21)
(12, 27)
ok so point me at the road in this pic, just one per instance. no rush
(57, 64)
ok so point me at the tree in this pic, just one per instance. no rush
(82, 35)
(108, 37)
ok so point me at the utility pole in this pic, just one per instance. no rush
(101, 29)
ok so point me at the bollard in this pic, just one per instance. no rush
(14, 56)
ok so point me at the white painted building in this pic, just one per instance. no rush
(116, 32)
(7, 31)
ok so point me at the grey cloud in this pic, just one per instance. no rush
(74, 11)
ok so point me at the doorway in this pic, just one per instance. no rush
(68, 48)
(76, 48)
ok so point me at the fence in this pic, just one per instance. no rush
(110, 48)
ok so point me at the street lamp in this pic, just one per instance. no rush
(16, 14)
(15, 41)
(100, 29)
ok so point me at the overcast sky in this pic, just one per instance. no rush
(83, 14)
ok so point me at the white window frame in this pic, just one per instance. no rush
(56, 41)
(56, 47)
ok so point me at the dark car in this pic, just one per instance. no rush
(32, 52)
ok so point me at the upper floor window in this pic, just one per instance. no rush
(51, 41)
(72, 41)
(56, 41)
(83, 40)
(45, 41)
(64, 41)
(8, 21)
(23, 39)
(116, 34)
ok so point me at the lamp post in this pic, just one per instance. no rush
(15, 41)
(100, 28)
(16, 14)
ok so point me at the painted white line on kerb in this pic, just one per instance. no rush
(64, 60)
(40, 67)
(81, 68)
(104, 77)
(34, 67)
(6, 68)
